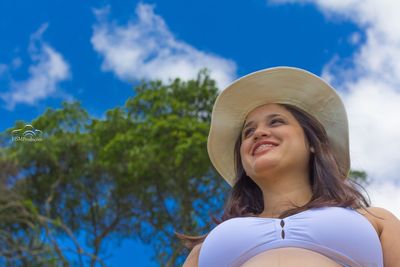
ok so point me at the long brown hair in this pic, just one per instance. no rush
(330, 185)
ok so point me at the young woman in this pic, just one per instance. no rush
(280, 137)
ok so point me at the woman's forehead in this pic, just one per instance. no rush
(267, 109)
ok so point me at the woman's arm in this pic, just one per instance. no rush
(193, 257)
(390, 236)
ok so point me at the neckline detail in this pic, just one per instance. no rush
(301, 212)
(273, 218)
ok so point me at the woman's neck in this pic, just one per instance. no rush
(283, 193)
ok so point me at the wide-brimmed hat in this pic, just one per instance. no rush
(282, 85)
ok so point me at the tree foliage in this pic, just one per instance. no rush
(141, 172)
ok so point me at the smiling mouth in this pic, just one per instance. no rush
(263, 149)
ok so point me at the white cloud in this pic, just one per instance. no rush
(48, 69)
(146, 49)
(355, 38)
(370, 87)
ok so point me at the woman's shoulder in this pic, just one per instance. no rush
(389, 235)
(193, 257)
(378, 217)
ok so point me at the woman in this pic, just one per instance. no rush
(280, 137)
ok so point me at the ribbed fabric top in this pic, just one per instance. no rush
(342, 234)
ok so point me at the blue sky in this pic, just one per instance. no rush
(96, 51)
(251, 34)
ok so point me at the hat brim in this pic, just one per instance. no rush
(282, 85)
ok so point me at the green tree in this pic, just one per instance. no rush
(141, 172)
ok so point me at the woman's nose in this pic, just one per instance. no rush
(260, 133)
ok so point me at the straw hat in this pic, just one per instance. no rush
(283, 85)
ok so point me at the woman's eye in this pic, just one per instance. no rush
(247, 132)
(277, 121)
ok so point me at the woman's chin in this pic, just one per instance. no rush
(265, 166)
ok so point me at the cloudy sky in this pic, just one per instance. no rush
(54, 51)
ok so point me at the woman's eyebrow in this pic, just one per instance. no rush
(268, 117)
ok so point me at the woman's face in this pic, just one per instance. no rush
(273, 141)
